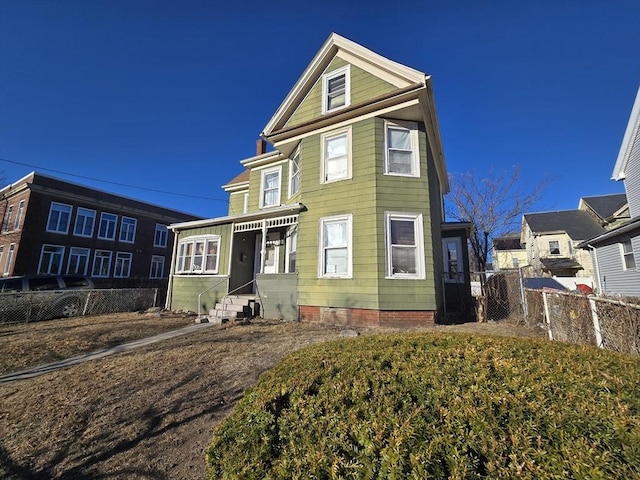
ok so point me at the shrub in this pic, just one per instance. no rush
(436, 406)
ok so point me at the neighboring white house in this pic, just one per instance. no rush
(615, 253)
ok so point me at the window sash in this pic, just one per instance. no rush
(294, 173)
(78, 261)
(335, 247)
(59, 217)
(157, 267)
(101, 264)
(198, 255)
(85, 221)
(122, 265)
(554, 247)
(160, 236)
(7, 264)
(16, 225)
(270, 188)
(401, 156)
(336, 157)
(628, 258)
(128, 229)
(107, 230)
(7, 219)
(404, 245)
(50, 259)
(335, 89)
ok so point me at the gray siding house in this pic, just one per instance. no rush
(615, 253)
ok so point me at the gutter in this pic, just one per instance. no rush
(594, 253)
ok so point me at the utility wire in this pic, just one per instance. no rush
(112, 183)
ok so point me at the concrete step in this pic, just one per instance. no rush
(230, 307)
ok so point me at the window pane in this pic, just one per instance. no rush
(335, 234)
(336, 260)
(271, 180)
(404, 259)
(212, 256)
(399, 139)
(336, 146)
(400, 162)
(403, 232)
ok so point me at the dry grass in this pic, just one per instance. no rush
(146, 414)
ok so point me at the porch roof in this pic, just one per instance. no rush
(244, 217)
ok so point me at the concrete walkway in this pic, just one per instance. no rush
(125, 347)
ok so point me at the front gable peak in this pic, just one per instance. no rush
(330, 71)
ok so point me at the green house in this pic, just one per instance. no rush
(342, 220)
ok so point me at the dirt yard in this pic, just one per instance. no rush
(145, 414)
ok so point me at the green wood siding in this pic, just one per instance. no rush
(364, 86)
(236, 203)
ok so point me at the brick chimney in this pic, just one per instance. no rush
(261, 146)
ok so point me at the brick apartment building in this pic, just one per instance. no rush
(52, 226)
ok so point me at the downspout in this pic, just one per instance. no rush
(595, 264)
(167, 302)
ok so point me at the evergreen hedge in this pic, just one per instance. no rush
(416, 406)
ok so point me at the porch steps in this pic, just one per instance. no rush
(233, 307)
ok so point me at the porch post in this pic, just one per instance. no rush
(263, 247)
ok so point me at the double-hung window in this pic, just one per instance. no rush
(292, 250)
(50, 259)
(107, 230)
(401, 149)
(101, 263)
(128, 229)
(7, 265)
(554, 247)
(336, 156)
(78, 261)
(336, 89)
(85, 221)
(16, 225)
(157, 266)
(270, 187)
(160, 236)
(335, 255)
(294, 173)
(7, 219)
(59, 217)
(404, 242)
(628, 259)
(122, 265)
(198, 254)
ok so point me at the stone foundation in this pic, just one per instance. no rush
(366, 317)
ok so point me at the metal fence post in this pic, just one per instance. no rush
(86, 303)
(546, 314)
(596, 322)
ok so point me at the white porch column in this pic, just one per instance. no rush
(263, 247)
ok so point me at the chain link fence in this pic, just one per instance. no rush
(499, 295)
(23, 307)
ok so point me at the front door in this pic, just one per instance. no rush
(272, 255)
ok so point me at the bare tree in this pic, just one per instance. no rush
(493, 203)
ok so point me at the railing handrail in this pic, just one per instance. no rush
(205, 291)
(242, 286)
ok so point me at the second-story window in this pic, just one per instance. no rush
(85, 221)
(59, 217)
(7, 219)
(401, 156)
(107, 230)
(160, 237)
(270, 187)
(336, 156)
(294, 173)
(336, 90)
(128, 229)
(554, 247)
(628, 260)
(16, 225)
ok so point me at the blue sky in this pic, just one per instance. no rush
(171, 95)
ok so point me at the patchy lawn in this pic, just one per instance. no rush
(145, 414)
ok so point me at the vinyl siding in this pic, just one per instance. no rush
(632, 180)
(236, 203)
(613, 279)
(364, 86)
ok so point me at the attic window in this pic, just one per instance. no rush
(336, 90)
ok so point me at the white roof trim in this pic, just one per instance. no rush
(334, 44)
(631, 133)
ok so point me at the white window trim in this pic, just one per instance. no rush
(296, 153)
(157, 259)
(460, 277)
(292, 232)
(624, 254)
(199, 238)
(66, 231)
(163, 229)
(11, 253)
(75, 226)
(321, 250)
(559, 250)
(121, 255)
(62, 249)
(346, 71)
(73, 250)
(16, 224)
(123, 231)
(323, 138)
(418, 232)
(115, 226)
(264, 173)
(7, 224)
(415, 148)
(93, 265)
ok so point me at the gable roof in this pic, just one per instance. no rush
(629, 140)
(395, 73)
(575, 223)
(606, 205)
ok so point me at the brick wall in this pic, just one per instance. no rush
(366, 317)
